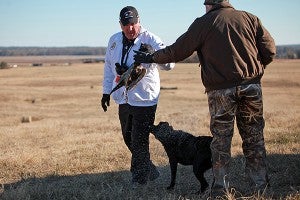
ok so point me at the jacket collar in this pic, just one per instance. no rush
(142, 30)
(220, 6)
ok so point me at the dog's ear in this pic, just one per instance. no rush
(163, 123)
(167, 124)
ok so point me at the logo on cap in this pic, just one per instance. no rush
(128, 14)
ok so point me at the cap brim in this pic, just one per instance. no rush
(132, 20)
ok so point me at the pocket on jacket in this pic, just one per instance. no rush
(118, 95)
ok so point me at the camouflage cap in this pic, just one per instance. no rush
(213, 2)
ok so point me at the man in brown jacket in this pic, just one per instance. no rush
(234, 49)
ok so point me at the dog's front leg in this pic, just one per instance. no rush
(173, 166)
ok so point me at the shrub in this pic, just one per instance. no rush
(3, 65)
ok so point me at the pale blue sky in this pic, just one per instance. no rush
(92, 22)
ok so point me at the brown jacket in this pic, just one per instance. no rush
(233, 47)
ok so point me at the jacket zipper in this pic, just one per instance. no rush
(126, 96)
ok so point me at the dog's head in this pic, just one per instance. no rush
(162, 131)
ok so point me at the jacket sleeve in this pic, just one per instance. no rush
(265, 45)
(182, 48)
(108, 76)
(157, 45)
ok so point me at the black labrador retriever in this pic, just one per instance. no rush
(186, 149)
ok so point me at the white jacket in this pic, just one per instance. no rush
(146, 92)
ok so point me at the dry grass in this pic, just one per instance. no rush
(73, 150)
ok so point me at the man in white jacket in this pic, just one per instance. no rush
(137, 105)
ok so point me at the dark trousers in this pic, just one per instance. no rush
(136, 123)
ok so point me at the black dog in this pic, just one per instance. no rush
(186, 149)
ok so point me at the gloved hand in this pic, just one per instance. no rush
(120, 69)
(147, 48)
(143, 57)
(105, 101)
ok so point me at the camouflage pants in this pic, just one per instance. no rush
(243, 103)
(136, 123)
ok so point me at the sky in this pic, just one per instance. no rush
(60, 23)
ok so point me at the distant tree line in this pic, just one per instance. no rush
(283, 51)
(51, 51)
(288, 51)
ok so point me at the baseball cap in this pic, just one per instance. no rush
(129, 15)
(213, 2)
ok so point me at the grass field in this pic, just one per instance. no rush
(71, 149)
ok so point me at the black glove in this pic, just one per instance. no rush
(120, 69)
(147, 48)
(143, 57)
(105, 101)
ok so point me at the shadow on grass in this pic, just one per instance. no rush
(284, 172)
(107, 185)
